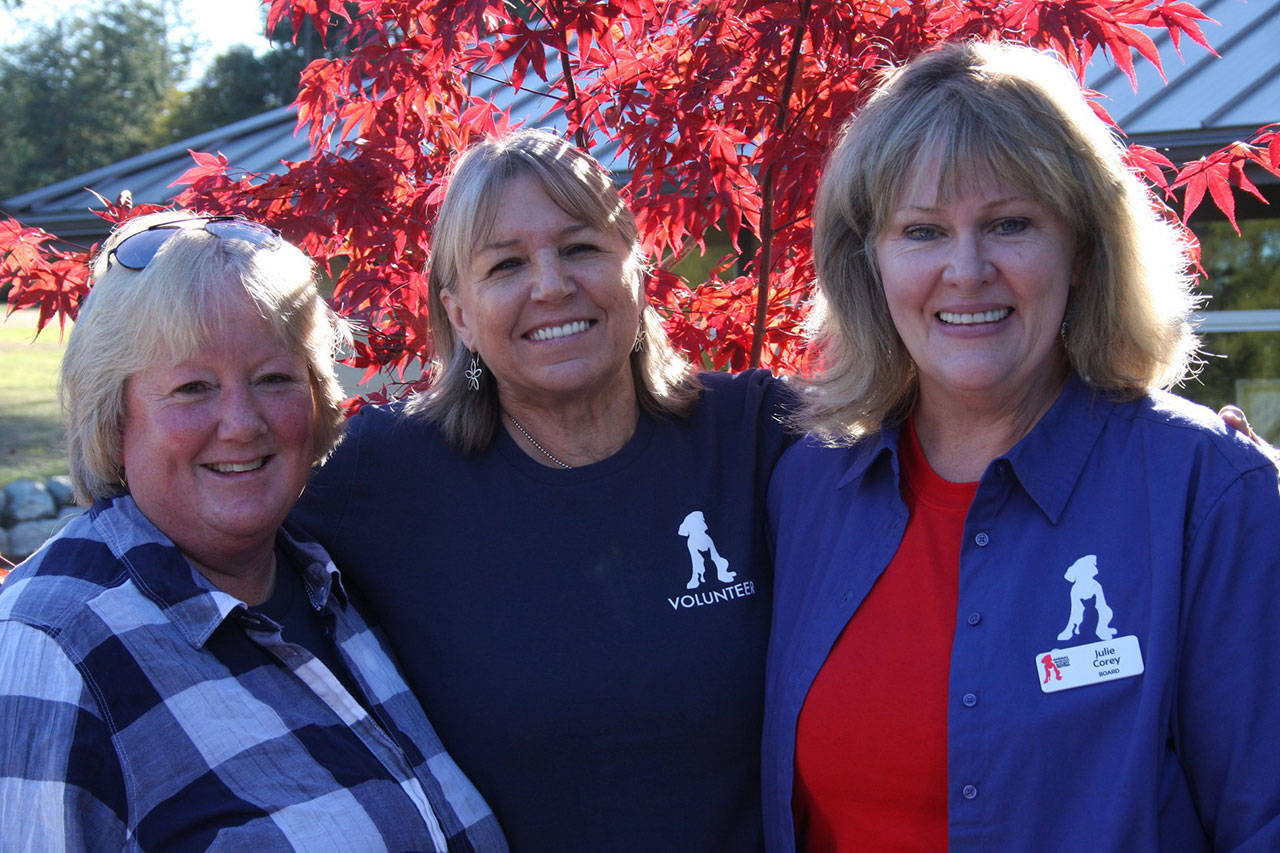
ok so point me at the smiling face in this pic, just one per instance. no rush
(976, 282)
(548, 302)
(217, 447)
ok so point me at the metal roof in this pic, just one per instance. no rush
(1207, 102)
(257, 144)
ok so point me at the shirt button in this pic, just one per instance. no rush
(969, 791)
(969, 699)
(981, 539)
(974, 618)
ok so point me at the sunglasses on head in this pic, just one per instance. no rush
(137, 250)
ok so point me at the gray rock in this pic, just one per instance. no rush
(59, 487)
(4, 546)
(28, 501)
(26, 537)
(4, 503)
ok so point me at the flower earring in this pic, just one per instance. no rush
(474, 372)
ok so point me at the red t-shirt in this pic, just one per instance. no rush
(871, 743)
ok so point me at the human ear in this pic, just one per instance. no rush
(457, 314)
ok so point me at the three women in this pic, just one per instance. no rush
(568, 468)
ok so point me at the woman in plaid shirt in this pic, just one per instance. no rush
(178, 670)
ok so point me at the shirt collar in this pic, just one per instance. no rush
(871, 449)
(1047, 462)
(319, 575)
(193, 604)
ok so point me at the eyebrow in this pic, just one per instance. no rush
(995, 202)
(568, 230)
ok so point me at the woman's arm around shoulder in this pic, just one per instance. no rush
(755, 401)
(1227, 719)
(321, 509)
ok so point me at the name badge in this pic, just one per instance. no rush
(1080, 666)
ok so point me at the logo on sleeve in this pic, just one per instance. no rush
(1094, 663)
(702, 549)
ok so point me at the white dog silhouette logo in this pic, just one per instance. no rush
(694, 528)
(1083, 574)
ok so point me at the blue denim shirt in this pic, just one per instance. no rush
(1141, 531)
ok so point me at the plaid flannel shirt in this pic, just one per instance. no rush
(140, 708)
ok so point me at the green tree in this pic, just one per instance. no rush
(240, 83)
(86, 92)
(1243, 274)
(237, 85)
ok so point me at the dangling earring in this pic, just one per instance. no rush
(639, 344)
(474, 372)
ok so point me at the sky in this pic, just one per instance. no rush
(212, 25)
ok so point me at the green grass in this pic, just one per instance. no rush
(31, 424)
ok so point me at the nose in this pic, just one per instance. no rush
(968, 265)
(551, 281)
(240, 414)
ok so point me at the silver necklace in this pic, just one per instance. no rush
(534, 441)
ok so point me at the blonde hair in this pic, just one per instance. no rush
(169, 311)
(1012, 112)
(665, 382)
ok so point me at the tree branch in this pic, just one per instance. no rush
(571, 107)
(768, 189)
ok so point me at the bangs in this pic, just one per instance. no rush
(584, 197)
(973, 144)
(187, 285)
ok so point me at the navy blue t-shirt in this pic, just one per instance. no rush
(589, 643)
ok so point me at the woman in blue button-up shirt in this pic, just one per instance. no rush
(996, 322)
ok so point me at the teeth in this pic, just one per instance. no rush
(236, 467)
(549, 332)
(953, 319)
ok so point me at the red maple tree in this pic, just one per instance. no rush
(722, 111)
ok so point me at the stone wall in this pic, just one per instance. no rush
(30, 512)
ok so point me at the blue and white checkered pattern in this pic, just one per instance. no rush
(142, 708)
